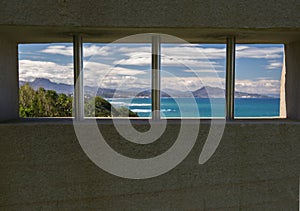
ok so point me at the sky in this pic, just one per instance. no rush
(185, 67)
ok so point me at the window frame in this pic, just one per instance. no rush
(155, 85)
(78, 109)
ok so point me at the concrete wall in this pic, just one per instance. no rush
(292, 51)
(273, 21)
(165, 13)
(256, 167)
(9, 78)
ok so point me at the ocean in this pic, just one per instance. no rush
(202, 107)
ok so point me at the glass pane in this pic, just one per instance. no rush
(117, 80)
(193, 78)
(46, 80)
(258, 80)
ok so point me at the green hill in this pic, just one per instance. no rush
(48, 103)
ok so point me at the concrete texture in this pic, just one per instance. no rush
(292, 52)
(255, 21)
(9, 78)
(165, 13)
(256, 167)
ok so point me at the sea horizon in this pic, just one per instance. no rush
(201, 107)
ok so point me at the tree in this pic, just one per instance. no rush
(43, 103)
(48, 103)
(99, 107)
(26, 100)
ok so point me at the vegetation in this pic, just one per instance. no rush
(48, 103)
(99, 107)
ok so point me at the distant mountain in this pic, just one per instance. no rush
(147, 93)
(61, 87)
(48, 85)
(247, 95)
(204, 92)
(208, 91)
(107, 93)
(215, 92)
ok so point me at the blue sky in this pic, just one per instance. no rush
(128, 66)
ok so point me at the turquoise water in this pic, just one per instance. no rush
(202, 107)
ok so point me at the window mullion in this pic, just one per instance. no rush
(156, 68)
(230, 77)
(78, 78)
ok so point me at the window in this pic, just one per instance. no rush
(194, 76)
(258, 80)
(193, 80)
(46, 80)
(121, 79)
(119, 73)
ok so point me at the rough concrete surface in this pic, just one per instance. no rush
(292, 52)
(165, 13)
(8, 80)
(256, 167)
(42, 166)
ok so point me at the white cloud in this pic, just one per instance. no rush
(109, 76)
(192, 63)
(96, 50)
(262, 86)
(133, 50)
(135, 59)
(104, 69)
(175, 55)
(241, 47)
(259, 53)
(190, 83)
(211, 71)
(145, 60)
(93, 50)
(273, 64)
(122, 83)
(28, 70)
(93, 72)
(199, 59)
(193, 53)
(180, 51)
(59, 49)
